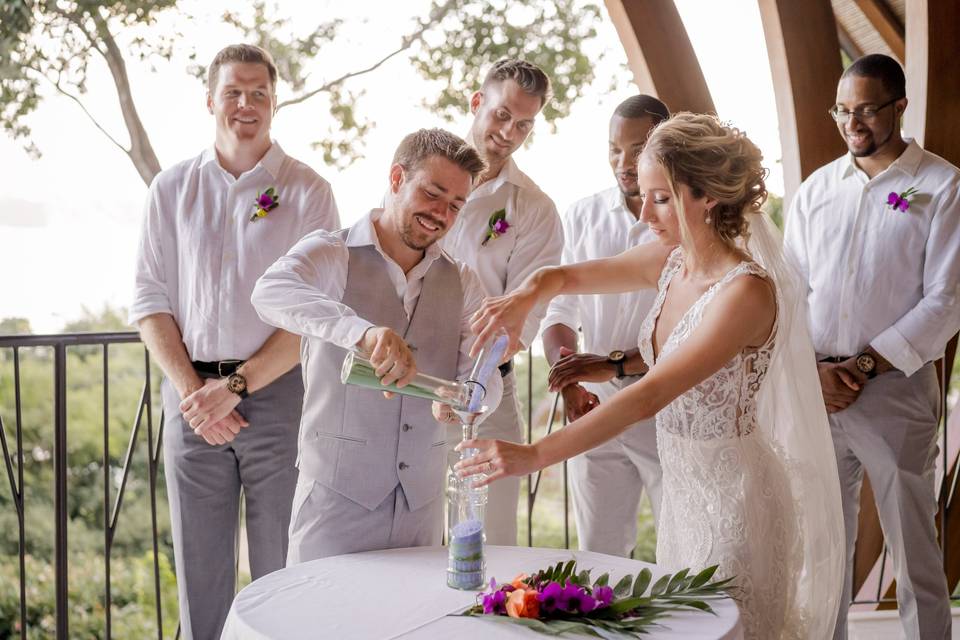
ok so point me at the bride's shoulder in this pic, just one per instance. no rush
(749, 299)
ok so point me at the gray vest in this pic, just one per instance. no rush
(352, 439)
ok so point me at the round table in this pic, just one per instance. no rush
(402, 593)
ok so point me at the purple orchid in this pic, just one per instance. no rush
(604, 596)
(575, 599)
(901, 201)
(497, 225)
(550, 597)
(266, 201)
(495, 603)
(501, 226)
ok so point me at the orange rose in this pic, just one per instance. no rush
(518, 582)
(523, 603)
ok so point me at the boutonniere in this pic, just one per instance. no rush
(901, 201)
(497, 225)
(265, 202)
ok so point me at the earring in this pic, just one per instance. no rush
(707, 219)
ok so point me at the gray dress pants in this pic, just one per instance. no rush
(203, 486)
(891, 433)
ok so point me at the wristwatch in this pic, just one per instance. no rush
(237, 384)
(867, 365)
(617, 358)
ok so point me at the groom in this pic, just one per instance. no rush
(372, 468)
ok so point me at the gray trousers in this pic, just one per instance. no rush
(500, 517)
(891, 433)
(203, 486)
(325, 523)
(607, 482)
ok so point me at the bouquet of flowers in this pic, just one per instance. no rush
(560, 599)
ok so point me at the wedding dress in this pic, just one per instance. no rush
(749, 474)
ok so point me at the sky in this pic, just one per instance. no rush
(69, 222)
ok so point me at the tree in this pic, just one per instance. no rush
(51, 43)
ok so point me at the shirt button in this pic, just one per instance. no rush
(403, 465)
(406, 427)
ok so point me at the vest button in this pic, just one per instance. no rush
(407, 427)
(403, 465)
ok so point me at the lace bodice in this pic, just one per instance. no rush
(725, 404)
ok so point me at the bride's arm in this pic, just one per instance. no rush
(636, 268)
(740, 316)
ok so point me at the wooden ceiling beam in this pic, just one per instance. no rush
(887, 24)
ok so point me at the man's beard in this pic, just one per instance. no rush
(408, 235)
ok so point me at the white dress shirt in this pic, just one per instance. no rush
(534, 239)
(200, 254)
(878, 276)
(302, 293)
(601, 226)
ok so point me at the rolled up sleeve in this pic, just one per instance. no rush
(150, 291)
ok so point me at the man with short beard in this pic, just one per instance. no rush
(607, 482)
(371, 466)
(874, 234)
(507, 230)
(231, 390)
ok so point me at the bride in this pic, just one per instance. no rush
(749, 473)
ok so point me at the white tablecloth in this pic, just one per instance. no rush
(402, 593)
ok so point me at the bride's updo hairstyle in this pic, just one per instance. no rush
(714, 160)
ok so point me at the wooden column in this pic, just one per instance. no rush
(933, 84)
(660, 54)
(804, 53)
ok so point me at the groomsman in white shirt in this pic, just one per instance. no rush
(232, 390)
(874, 234)
(607, 482)
(372, 468)
(507, 229)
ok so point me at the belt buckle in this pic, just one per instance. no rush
(221, 363)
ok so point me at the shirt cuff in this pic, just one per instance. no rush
(897, 351)
(352, 330)
(143, 308)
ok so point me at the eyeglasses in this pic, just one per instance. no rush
(842, 116)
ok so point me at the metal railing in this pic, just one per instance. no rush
(111, 508)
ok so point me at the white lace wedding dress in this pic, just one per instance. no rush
(726, 492)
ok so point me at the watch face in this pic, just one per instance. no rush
(236, 383)
(866, 363)
(617, 356)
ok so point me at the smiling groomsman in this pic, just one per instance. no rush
(874, 234)
(232, 390)
(507, 229)
(607, 482)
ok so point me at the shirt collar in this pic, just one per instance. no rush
(511, 174)
(272, 160)
(364, 234)
(908, 162)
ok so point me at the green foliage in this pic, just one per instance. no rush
(550, 34)
(774, 208)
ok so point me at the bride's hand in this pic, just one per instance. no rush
(509, 312)
(497, 459)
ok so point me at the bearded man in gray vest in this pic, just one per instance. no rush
(372, 466)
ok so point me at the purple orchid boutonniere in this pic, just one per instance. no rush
(265, 202)
(901, 201)
(496, 226)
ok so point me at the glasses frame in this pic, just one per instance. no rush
(858, 113)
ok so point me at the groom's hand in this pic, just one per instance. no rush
(579, 367)
(839, 386)
(389, 354)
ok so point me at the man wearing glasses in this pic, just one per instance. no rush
(874, 235)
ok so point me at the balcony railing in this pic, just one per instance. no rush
(144, 432)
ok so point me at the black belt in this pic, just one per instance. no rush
(506, 368)
(835, 359)
(222, 368)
